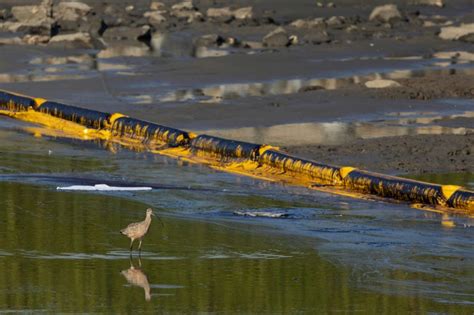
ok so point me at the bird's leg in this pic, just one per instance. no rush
(131, 245)
(140, 246)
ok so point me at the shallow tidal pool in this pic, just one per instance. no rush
(61, 252)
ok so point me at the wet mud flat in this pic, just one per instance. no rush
(190, 67)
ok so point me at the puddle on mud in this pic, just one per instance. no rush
(218, 93)
(460, 179)
(335, 133)
(206, 258)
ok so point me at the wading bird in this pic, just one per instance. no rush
(138, 230)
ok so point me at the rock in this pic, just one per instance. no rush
(95, 26)
(189, 16)
(385, 13)
(317, 37)
(244, 13)
(335, 21)
(3, 14)
(125, 33)
(186, 11)
(129, 8)
(220, 14)
(35, 39)
(112, 17)
(381, 83)
(11, 41)
(464, 31)
(76, 40)
(156, 6)
(185, 5)
(27, 13)
(313, 23)
(276, 38)
(331, 5)
(437, 3)
(34, 19)
(209, 40)
(154, 17)
(469, 38)
(70, 15)
(71, 10)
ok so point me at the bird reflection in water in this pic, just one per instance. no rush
(136, 277)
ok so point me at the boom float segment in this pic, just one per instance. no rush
(462, 199)
(146, 132)
(394, 187)
(320, 173)
(85, 117)
(14, 102)
(223, 148)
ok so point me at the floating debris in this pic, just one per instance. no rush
(265, 214)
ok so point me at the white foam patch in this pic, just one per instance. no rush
(102, 187)
(266, 214)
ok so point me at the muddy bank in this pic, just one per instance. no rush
(297, 76)
(398, 155)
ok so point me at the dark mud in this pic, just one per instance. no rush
(407, 154)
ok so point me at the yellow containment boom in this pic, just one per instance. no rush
(258, 160)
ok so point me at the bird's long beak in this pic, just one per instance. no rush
(153, 214)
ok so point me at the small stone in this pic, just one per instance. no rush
(381, 83)
(154, 17)
(73, 10)
(313, 23)
(319, 4)
(11, 41)
(35, 39)
(335, 21)
(35, 19)
(70, 15)
(243, 13)
(317, 37)
(437, 3)
(76, 40)
(125, 32)
(185, 5)
(457, 32)
(209, 40)
(129, 8)
(157, 6)
(276, 38)
(3, 14)
(112, 16)
(189, 16)
(220, 14)
(331, 5)
(385, 13)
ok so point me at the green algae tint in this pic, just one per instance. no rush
(62, 252)
(462, 179)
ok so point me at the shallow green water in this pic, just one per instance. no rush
(461, 179)
(62, 252)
